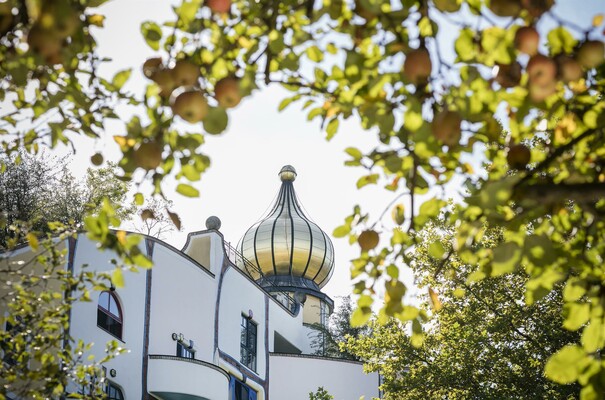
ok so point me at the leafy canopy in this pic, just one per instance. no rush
(445, 85)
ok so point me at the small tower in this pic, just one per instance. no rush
(290, 252)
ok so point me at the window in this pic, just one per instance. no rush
(184, 351)
(248, 343)
(109, 314)
(324, 315)
(238, 390)
(113, 392)
(6, 345)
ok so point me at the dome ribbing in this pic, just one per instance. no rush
(289, 249)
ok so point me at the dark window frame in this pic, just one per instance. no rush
(238, 390)
(113, 391)
(248, 342)
(106, 319)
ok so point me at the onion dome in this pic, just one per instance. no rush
(288, 250)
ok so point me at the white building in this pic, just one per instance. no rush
(213, 322)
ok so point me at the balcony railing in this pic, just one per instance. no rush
(237, 259)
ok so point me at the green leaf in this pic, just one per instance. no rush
(574, 289)
(332, 128)
(361, 316)
(497, 44)
(342, 231)
(436, 250)
(367, 180)
(398, 214)
(117, 278)
(314, 53)
(506, 258)
(187, 190)
(465, 46)
(152, 33)
(354, 152)
(428, 210)
(560, 41)
(592, 336)
(139, 199)
(286, 102)
(563, 366)
(427, 27)
(120, 78)
(576, 315)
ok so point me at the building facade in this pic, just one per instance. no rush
(214, 322)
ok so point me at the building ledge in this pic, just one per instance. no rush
(171, 378)
(316, 357)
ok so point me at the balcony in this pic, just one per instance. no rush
(177, 378)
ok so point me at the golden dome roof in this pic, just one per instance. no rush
(289, 249)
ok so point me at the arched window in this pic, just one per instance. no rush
(109, 314)
(113, 392)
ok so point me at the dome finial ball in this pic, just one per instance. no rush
(213, 222)
(287, 173)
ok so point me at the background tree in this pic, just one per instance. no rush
(483, 341)
(329, 340)
(320, 394)
(41, 189)
(25, 184)
(154, 218)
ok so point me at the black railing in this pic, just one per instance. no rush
(253, 271)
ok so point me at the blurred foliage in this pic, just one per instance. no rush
(478, 95)
(483, 341)
(40, 358)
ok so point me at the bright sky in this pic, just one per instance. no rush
(243, 181)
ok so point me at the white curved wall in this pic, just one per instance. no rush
(183, 301)
(171, 379)
(132, 301)
(293, 377)
(238, 296)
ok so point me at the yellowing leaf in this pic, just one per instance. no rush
(117, 278)
(121, 235)
(435, 302)
(139, 199)
(96, 20)
(597, 20)
(33, 241)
